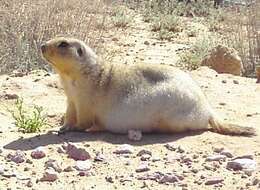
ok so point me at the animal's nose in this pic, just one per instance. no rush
(43, 48)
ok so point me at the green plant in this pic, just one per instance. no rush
(28, 122)
(121, 18)
(191, 59)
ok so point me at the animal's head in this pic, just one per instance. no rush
(67, 55)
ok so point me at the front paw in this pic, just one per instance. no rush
(65, 128)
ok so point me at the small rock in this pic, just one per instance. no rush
(109, 179)
(142, 168)
(154, 176)
(99, 157)
(2, 169)
(215, 158)
(28, 161)
(38, 153)
(83, 165)
(214, 180)
(53, 164)
(255, 181)
(170, 146)
(224, 81)
(180, 149)
(134, 135)
(9, 174)
(76, 153)
(17, 157)
(168, 178)
(218, 149)
(84, 173)
(146, 43)
(29, 183)
(68, 169)
(145, 157)
(11, 96)
(242, 164)
(143, 152)
(124, 149)
(49, 175)
(226, 153)
(248, 156)
(1, 150)
(235, 81)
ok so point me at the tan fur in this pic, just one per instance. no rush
(119, 97)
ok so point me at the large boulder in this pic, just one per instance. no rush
(223, 60)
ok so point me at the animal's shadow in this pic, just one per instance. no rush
(52, 139)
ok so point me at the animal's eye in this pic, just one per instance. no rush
(80, 52)
(63, 44)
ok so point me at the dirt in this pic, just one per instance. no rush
(236, 99)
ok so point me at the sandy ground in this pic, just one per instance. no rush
(236, 99)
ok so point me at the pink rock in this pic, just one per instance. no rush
(49, 175)
(214, 180)
(76, 153)
(38, 153)
(134, 135)
(17, 157)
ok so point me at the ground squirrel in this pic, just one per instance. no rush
(120, 97)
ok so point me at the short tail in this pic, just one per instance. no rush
(230, 129)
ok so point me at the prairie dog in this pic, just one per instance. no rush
(119, 97)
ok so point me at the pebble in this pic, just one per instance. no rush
(109, 179)
(29, 183)
(226, 153)
(2, 169)
(216, 158)
(144, 152)
(17, 157)
(83, 165)
(38, 153)
(135, 135)
(124, 149)
(214, 180)
(75, 152)
(142, 168)
(242, 164)
(68, 169)
(168, 178)
(53, 164)
(49, 175)
(145, 157)
(170, 146)
(100, 157)
(84, 173)
(235, 81)
(146, 43)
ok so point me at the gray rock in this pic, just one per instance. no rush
(143, 151)
(142, 168)
(83, 165)
(216, 158)
(53, 164)
(68, 169)
(170, 146)
(17, 157)
(100, 157)
(145, 157)
(2, 169)
(124, 149)
(214, 180)
(49, 175)
(168, 178)
(226, 153)
(38, 153)
(242, 164)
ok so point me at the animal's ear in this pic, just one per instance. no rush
(80, 51)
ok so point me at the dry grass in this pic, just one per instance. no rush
(25, 24)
